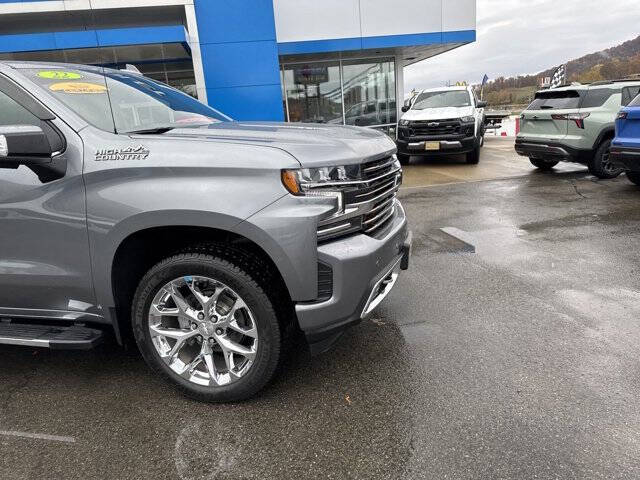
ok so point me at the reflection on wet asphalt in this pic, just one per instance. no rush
(517, 361)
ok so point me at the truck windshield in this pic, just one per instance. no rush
(445, 98)
(123, 102)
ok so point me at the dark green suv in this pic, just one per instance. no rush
(575, 124)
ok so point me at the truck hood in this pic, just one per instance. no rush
(312, 145)
(438, 113)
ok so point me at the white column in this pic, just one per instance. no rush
(399, 84)
(196, 55)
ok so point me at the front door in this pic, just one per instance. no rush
(44, 251)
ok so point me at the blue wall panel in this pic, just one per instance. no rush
(248, 103)
(241, 64)
(240, 57)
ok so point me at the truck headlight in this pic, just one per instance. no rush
(468, 119)
(404, 123)
(321, 182)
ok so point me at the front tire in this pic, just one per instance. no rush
(634, 177)
(473, 157)
(404, 158)
(544, 165)
(601, 166)
(207, 327)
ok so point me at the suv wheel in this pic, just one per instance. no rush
(404, 159)
(545, 165)
(634, 177)
(473, 157)
(601, 166)
(207, 327)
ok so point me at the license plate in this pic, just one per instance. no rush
(432, 146)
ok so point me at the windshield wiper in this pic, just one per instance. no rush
(150, 131)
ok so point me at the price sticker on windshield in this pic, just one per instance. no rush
(78, 88)
(59, 75)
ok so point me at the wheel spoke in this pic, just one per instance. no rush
(230, 363)
(181, 303)
(211, 368)
(252, 332)
(164, 311)
(180, 336)
(191, 283)
(229, 345)
(189, 368)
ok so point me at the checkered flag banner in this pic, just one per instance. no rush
(559, 77)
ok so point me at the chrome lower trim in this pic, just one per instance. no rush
(376, 296)
(23, 342)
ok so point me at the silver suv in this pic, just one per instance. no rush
(128, 206)
(575, 124)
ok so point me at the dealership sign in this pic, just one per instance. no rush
(311, 75)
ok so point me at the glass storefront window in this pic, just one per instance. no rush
(369, 93)
(313, 93)
(354, 92)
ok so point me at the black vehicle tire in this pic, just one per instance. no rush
(544, 165)
(268, 351)
(634, 177)
(404, 158)
(473, 157)
(600, 166)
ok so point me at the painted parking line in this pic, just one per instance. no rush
(37, 436)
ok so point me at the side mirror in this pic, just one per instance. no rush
(29, 145)
(481, 104)
(405, 109)
(24, 144)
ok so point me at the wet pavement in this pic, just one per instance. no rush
(517, 361)
(499, 160)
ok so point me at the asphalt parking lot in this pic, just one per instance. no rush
(518, 360)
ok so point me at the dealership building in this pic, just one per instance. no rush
(325, 61)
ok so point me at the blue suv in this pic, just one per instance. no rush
(625, 149)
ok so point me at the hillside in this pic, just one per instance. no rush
(616, 62)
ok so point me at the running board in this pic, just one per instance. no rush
(75, 337)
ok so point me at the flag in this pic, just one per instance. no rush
(485, 79)
(559, 77)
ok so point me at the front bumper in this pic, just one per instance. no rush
(449, 146)
(626, 157)
(365, 270)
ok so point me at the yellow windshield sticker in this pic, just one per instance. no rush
(59, 75)
(78, 87)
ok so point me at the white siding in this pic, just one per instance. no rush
(458, 15)
(303, 20)
(382, 17)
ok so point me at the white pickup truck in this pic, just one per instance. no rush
(442, 121)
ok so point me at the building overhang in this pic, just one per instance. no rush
(408, 49)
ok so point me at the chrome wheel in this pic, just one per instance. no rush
(203, 330)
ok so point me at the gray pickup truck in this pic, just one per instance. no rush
(128, 206)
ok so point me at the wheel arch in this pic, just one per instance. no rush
(607, 133)
(136, 250)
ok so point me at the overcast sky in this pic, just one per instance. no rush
(529, 36)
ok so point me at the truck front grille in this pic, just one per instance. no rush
(369, 203)
(429, 128)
